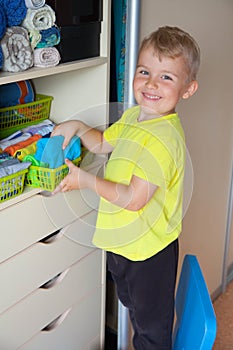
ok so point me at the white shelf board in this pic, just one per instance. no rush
(35, 72)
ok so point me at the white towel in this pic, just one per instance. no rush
(39, 19)
(34, 4)
(46, 57)
(17, 51)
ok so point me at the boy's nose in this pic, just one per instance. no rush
(152, 83)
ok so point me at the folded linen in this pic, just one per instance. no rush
(23, 152)
(34, 4)
(49, 37)
(49, 150)
(17, 51)
(46, 57)
(39, 19)
(13, 168)
(9, 142)
(43, 128)
(17, 133)
(15, 11)
(14, 148)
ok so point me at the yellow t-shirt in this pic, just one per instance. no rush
(153, 150)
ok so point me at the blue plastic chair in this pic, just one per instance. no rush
(196, 324)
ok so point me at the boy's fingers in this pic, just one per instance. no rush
(57, 189)
(69, 163)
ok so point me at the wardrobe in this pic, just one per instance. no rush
(52, 278)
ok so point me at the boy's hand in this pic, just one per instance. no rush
(72, 181)
(67, 129)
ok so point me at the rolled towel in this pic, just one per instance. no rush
(39, 19)
(49, 37)
(1, 58)
(17, 51)
(34, 4)
(15, 11)
(46, 57)
(35, 38)
(2, 22)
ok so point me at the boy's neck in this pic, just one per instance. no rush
(148, 115)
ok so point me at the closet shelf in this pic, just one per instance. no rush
(35, 72)
(98, 161)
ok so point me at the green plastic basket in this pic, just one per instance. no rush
(18, 117)
(45, 178)
(12, 185)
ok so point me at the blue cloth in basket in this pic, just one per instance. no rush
(49, 150)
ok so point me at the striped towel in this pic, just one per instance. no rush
(17, 51)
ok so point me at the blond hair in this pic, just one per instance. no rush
(173, 42)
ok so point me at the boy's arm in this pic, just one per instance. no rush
(132, 197)
(91, 138)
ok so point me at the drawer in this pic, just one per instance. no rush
(82, 230)
(64, 208)
(28, 270)
(79, 328)
(32, 314)
(22, 225)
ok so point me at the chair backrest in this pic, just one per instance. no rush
(196, 324)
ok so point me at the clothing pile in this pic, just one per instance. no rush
(28, 35)
(34, 146)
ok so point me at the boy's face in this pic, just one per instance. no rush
(160, 84)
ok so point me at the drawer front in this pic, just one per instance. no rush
(34, 218)
(79, 329)
(64, 208)
(82, 230)
(27, 271)
(22, 225)
(29, 316)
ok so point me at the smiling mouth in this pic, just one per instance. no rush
(151, 97)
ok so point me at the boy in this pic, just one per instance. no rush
(140, 211)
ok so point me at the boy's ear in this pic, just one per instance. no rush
(191, 89)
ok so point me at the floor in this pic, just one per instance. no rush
(223, 306)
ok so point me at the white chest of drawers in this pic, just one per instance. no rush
(52, 278)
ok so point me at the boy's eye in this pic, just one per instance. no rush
(166, 77)
(144, 72)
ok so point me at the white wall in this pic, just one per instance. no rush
(208, 122)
